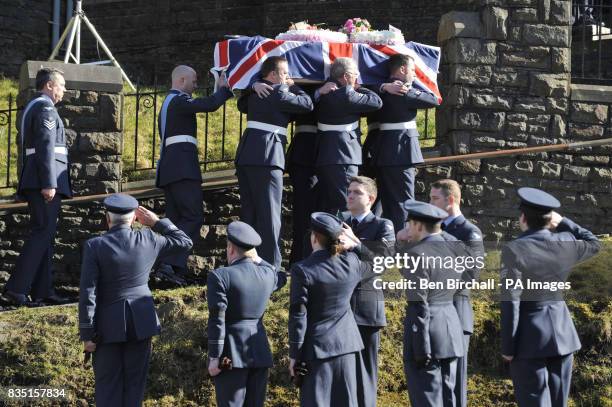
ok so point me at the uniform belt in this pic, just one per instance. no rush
(58, 150)
(373, 126)
(272, 128)
(182, 138)
(305, 128)
(398, 126)
(338, 127)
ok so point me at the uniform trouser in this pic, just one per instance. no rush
(184, 208)
(330, 382)
(333, 182)
(303, 180)
(261, 193)
(241, 387)
(367, 366)
(432, 386)
(395, 186)
(34, 271)
(542, 382)
(121, 373)
(462, 376)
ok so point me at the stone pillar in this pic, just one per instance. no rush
(92, 114)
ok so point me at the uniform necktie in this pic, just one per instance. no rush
(354, 223)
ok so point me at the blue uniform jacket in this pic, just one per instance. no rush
(302, 150)
(470, 234)
(342, 107)
(400, 147)
(267, 148)
(537, 324)
(321, 323)
(377, 239)
(114, 280)
(237, 299)
(179, 161)
(44, 153)
(432, 325)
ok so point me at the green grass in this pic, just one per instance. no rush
(148, 152)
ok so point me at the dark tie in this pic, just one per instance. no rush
(354, 223)
(444, 226)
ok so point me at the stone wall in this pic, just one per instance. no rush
(505, 76)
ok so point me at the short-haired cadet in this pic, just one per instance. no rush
(538, 336)
(117, 315)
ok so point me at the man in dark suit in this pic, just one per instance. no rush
(433, 337)
(260, 156)
(397, 149)
(340, 105)
(377, 238)
(117, 315)
(178, 170)
(237, 299)
(537, 333)
(446, 195)
(44, 181)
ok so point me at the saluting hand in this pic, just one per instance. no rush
(146, 217)
(555, 219)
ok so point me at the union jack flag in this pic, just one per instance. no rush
(241, 59)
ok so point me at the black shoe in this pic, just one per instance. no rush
(14, 298)
(53, 299)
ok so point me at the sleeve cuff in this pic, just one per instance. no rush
(164, 226)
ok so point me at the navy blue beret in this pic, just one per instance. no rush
(326, 224)
(120, 203)
(424, 211)
(538, 199)
(243, 235)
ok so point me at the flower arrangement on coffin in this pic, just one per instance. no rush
(303, 31)
(354, 25)
(361, 32)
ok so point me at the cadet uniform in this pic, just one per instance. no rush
(467, 232)
(237, 299)
(536, 326)
(116, 307)
(178, 170)
(368, 304)
(300, 166)
(260, 161)
(398, 150)
(339, 142)
(44, 159)
(432, 330)
(322, 328)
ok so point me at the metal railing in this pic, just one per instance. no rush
(591, 41)
(8, 135)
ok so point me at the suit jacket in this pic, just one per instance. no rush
(179, 161)
(302, 150)
(343, 106)
(42, 131)
(470, 234)
(537, 324)
(432, 325)
(377, 239)
(265, 148)
(401, 147)
(237, 299)
(321, 323)
(114, 280)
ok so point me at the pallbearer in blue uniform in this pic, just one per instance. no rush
(433, 337)
(117, 315)
(178, 170)
(323, 333)
(260, 156)
(237, 299)
(377, 238)
(44, 181)
(340, 105)
(446, 195)
(538, 335)
(398, 149)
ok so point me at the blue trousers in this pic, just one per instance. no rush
(261, 193)
(34, 271)
(332, 187)
(461, 384)
(241, 387)
(395, 186)
(330, 382)
(433, 386)
(303, 180)
(542, 382)
(184, 200)
(367, 366)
